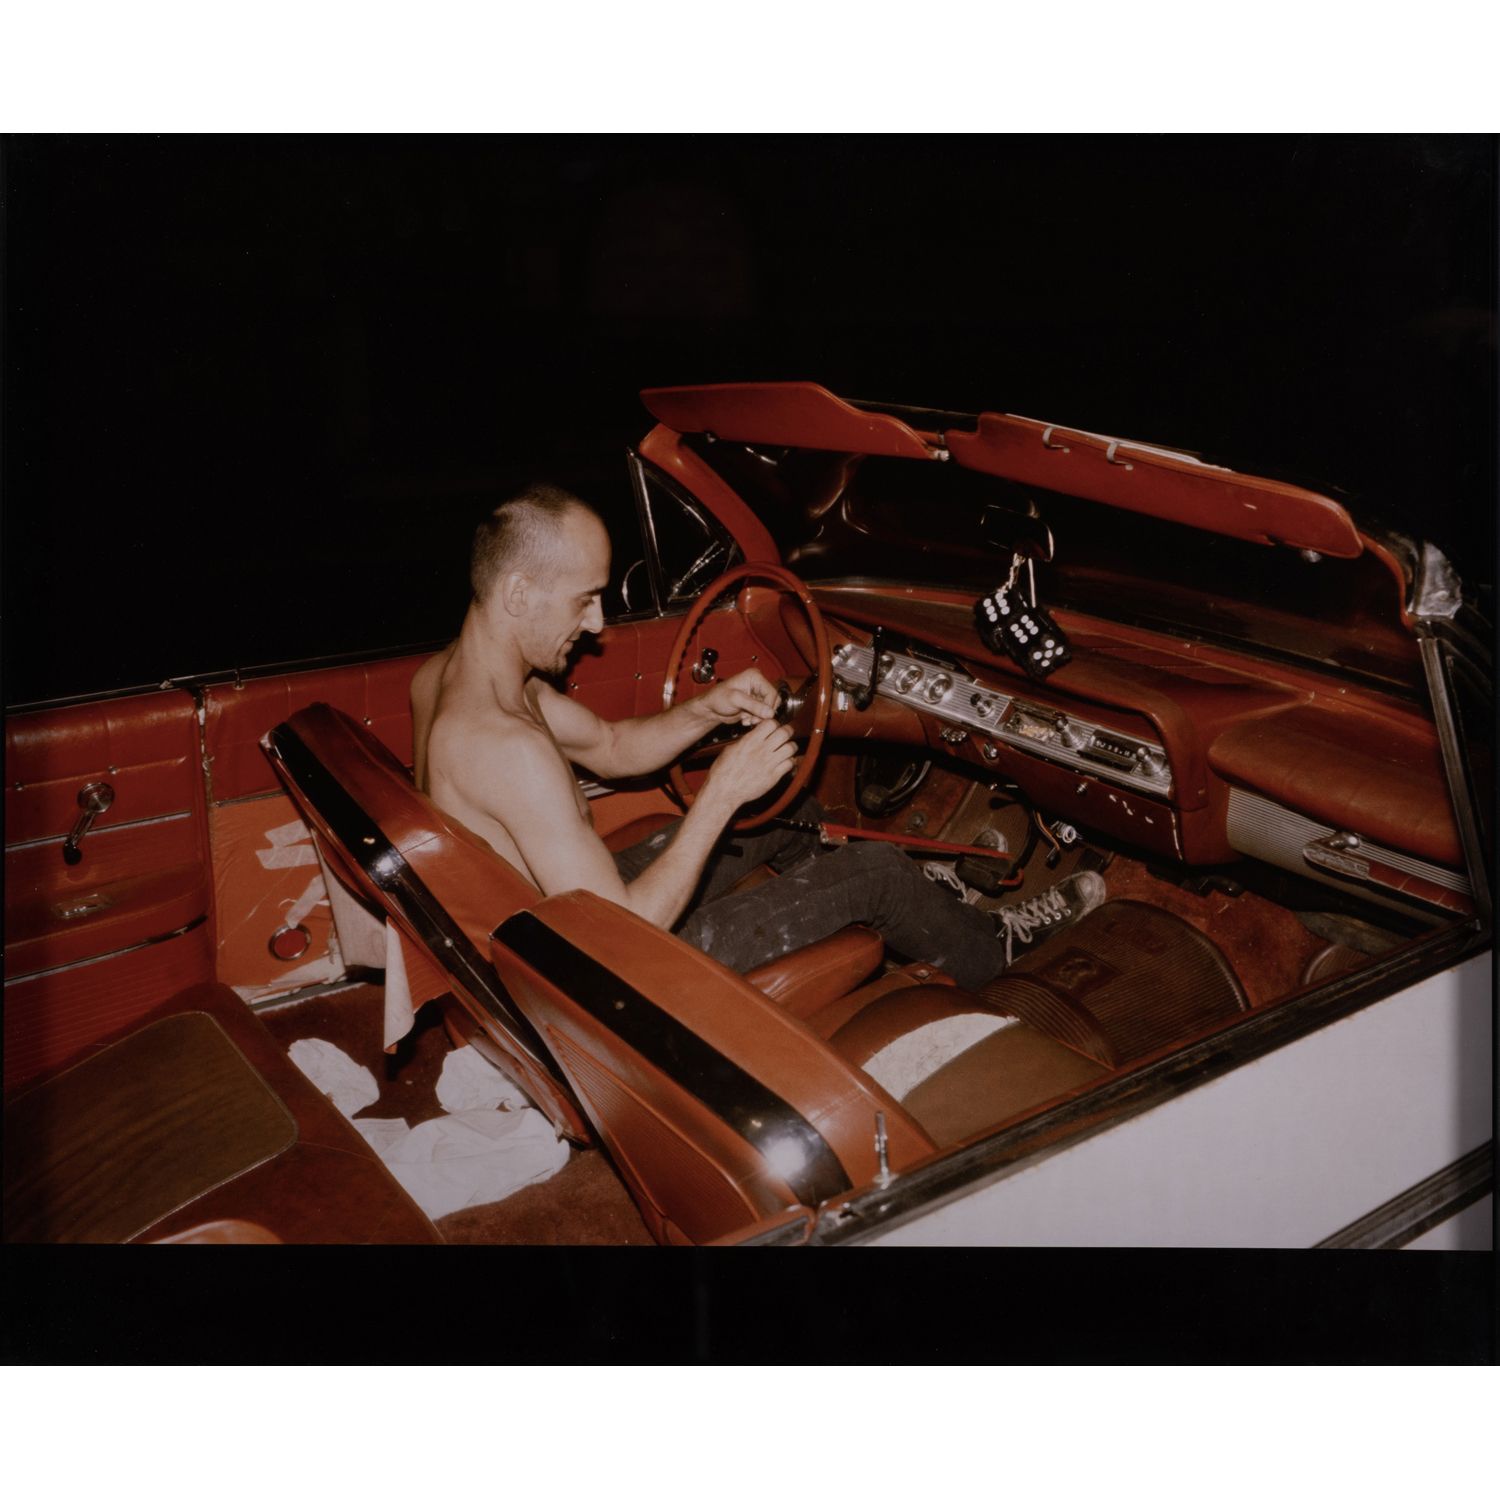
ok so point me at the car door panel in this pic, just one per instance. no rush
(265, 869)
(90, 945)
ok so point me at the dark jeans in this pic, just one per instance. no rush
(818, 892)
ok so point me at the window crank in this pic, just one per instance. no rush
(704, 671)
(94, 799)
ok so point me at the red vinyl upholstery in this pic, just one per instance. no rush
(815, 976)
(803, 981)
(444, 888)
(360, 801)
(718, 1107)
(323, 1186)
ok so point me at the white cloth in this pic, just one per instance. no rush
(468, 1081)
(478, 1153)
(462, 1160)
(351, 1087)
(366, 940)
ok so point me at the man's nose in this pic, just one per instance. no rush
(593, 620)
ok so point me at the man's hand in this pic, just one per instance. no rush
(753, 764)
(746, 698)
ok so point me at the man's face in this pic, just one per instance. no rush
(566, 603)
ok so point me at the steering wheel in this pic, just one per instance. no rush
(788, 583)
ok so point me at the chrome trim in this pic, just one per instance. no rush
(308, 992)
(1456, 768)
(99, 833)
(191, 682)
(1403, 1218)
(252, 797)
(955, 696)
(1266, 830)
(93, 800)
(637, 466)
(83, 963)
(1435, 590)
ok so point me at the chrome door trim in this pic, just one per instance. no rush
(99, 958)
(1409, 1215)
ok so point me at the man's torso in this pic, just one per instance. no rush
(449, 715)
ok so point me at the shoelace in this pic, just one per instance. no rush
(941, 874)
(1022, 920)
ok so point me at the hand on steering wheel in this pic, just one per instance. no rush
(822, 696)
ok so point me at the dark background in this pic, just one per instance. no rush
(257, 391)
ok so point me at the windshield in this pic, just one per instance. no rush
(843, 516)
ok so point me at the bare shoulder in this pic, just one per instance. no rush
(425, 678)
(491, 757)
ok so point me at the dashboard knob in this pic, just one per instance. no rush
(909, 678)
(1074, 736)
(1153, 764)
(937, 687)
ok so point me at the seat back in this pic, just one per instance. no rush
(718, 1106)
(444, 888)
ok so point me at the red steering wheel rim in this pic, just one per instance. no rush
(823, 695)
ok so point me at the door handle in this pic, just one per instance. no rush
(95, 798)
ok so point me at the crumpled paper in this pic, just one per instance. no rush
(468, 1081)
(351, 1087)
(462, 1160)
(490, 1144)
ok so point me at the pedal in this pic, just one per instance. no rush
(987, 875)
(1196, 882)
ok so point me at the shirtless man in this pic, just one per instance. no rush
(494, 741)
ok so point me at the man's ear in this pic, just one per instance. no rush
(514, 593)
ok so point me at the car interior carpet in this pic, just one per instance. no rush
(1125, 981)
(1267, 946)
(584, 1204)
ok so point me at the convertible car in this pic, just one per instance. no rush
(1015, 649)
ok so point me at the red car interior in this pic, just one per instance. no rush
(137, 937)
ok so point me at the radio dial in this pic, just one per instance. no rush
(1074, 736)
(1153, 764)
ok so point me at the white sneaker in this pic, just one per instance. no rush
(1050, 912)
(942, 872)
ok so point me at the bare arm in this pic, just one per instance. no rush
(525, 786)
(633, 747)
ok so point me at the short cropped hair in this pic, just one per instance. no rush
(520, 535)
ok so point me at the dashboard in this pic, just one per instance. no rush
(1187, 752)
(950, 694)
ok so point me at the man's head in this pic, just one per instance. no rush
(539, 565)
